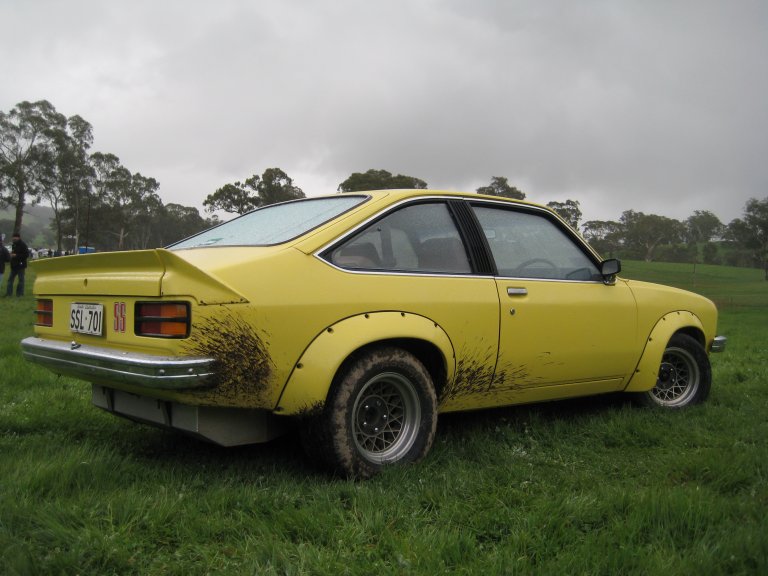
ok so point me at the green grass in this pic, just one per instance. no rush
(592, 486)
(727, 287)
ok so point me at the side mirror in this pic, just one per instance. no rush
(609, 269)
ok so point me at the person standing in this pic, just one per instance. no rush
(4, 257)
(19, 255)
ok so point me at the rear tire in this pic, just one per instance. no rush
(685, 375)
(381, 410)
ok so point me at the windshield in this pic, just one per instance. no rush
(273, 224)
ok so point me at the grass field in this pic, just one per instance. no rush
(594, 486)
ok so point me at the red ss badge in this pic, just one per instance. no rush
(119, 323)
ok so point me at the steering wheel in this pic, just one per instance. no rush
(533, 261)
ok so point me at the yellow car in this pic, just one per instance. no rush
(360, 317)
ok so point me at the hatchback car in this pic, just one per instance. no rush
(360, 317)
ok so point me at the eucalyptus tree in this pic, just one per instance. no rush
(69, 185)
(100, 216)
(751, 230)
(703, 226)
(500, 186)
(27, 153)
(569, 211)
(605, 236)
(643, 233)
(124, 206)
(276, 186)
(271, 187)
(132, 207)
(177, 222)
(145, 211)
(237, 198)
(379, 180)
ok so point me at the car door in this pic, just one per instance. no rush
(414, 259)
(564, 331)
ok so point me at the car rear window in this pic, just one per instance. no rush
(273, 224)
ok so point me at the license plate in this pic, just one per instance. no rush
(86, 318)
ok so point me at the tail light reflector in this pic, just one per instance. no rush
(162, 319)
(44, 313)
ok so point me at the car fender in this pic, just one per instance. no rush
(311, 378)
(647, 370)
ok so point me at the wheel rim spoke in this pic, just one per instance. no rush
(678, 378)
(385, 417)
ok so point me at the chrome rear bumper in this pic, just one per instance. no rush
(105, 365)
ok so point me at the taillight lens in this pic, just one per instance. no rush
(162, 319)
(44, 313)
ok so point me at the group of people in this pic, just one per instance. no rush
(17, 258)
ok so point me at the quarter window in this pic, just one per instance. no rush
(417, 238)
(528, 245)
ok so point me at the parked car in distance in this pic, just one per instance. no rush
(362, 316)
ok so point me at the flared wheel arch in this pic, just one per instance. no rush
(308, 385)
(678, 322)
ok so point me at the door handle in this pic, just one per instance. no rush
(517, 292)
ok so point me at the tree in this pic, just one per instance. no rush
(27, 134)
(108, 204)
(751, 231)
(70, 181)
(125, 205)
(145, 210)
(500, 187)
(379, 180)
(273, 186)
(234, 198)
(709, 253)
(644, 232)
(605, 236)
(702, 226)
(568, 211)
(178, 222)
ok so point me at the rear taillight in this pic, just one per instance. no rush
(162, 319)
(44, 313)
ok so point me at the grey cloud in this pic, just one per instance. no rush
(658, 107)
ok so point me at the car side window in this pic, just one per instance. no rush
(529, 245)
(416, 238)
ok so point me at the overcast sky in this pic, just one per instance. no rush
(659, 106)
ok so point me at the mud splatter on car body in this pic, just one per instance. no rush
(481, 374)
(242, 362)
(474, 375)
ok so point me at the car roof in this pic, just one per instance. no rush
(404, 193)
(382, 199)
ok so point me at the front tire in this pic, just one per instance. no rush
(381, 410)
(685, 375)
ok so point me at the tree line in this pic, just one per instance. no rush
(702, 237)
(96, 201)
(45, 156)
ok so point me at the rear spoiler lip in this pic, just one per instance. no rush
(141, 273)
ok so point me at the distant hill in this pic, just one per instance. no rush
(36, 228)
